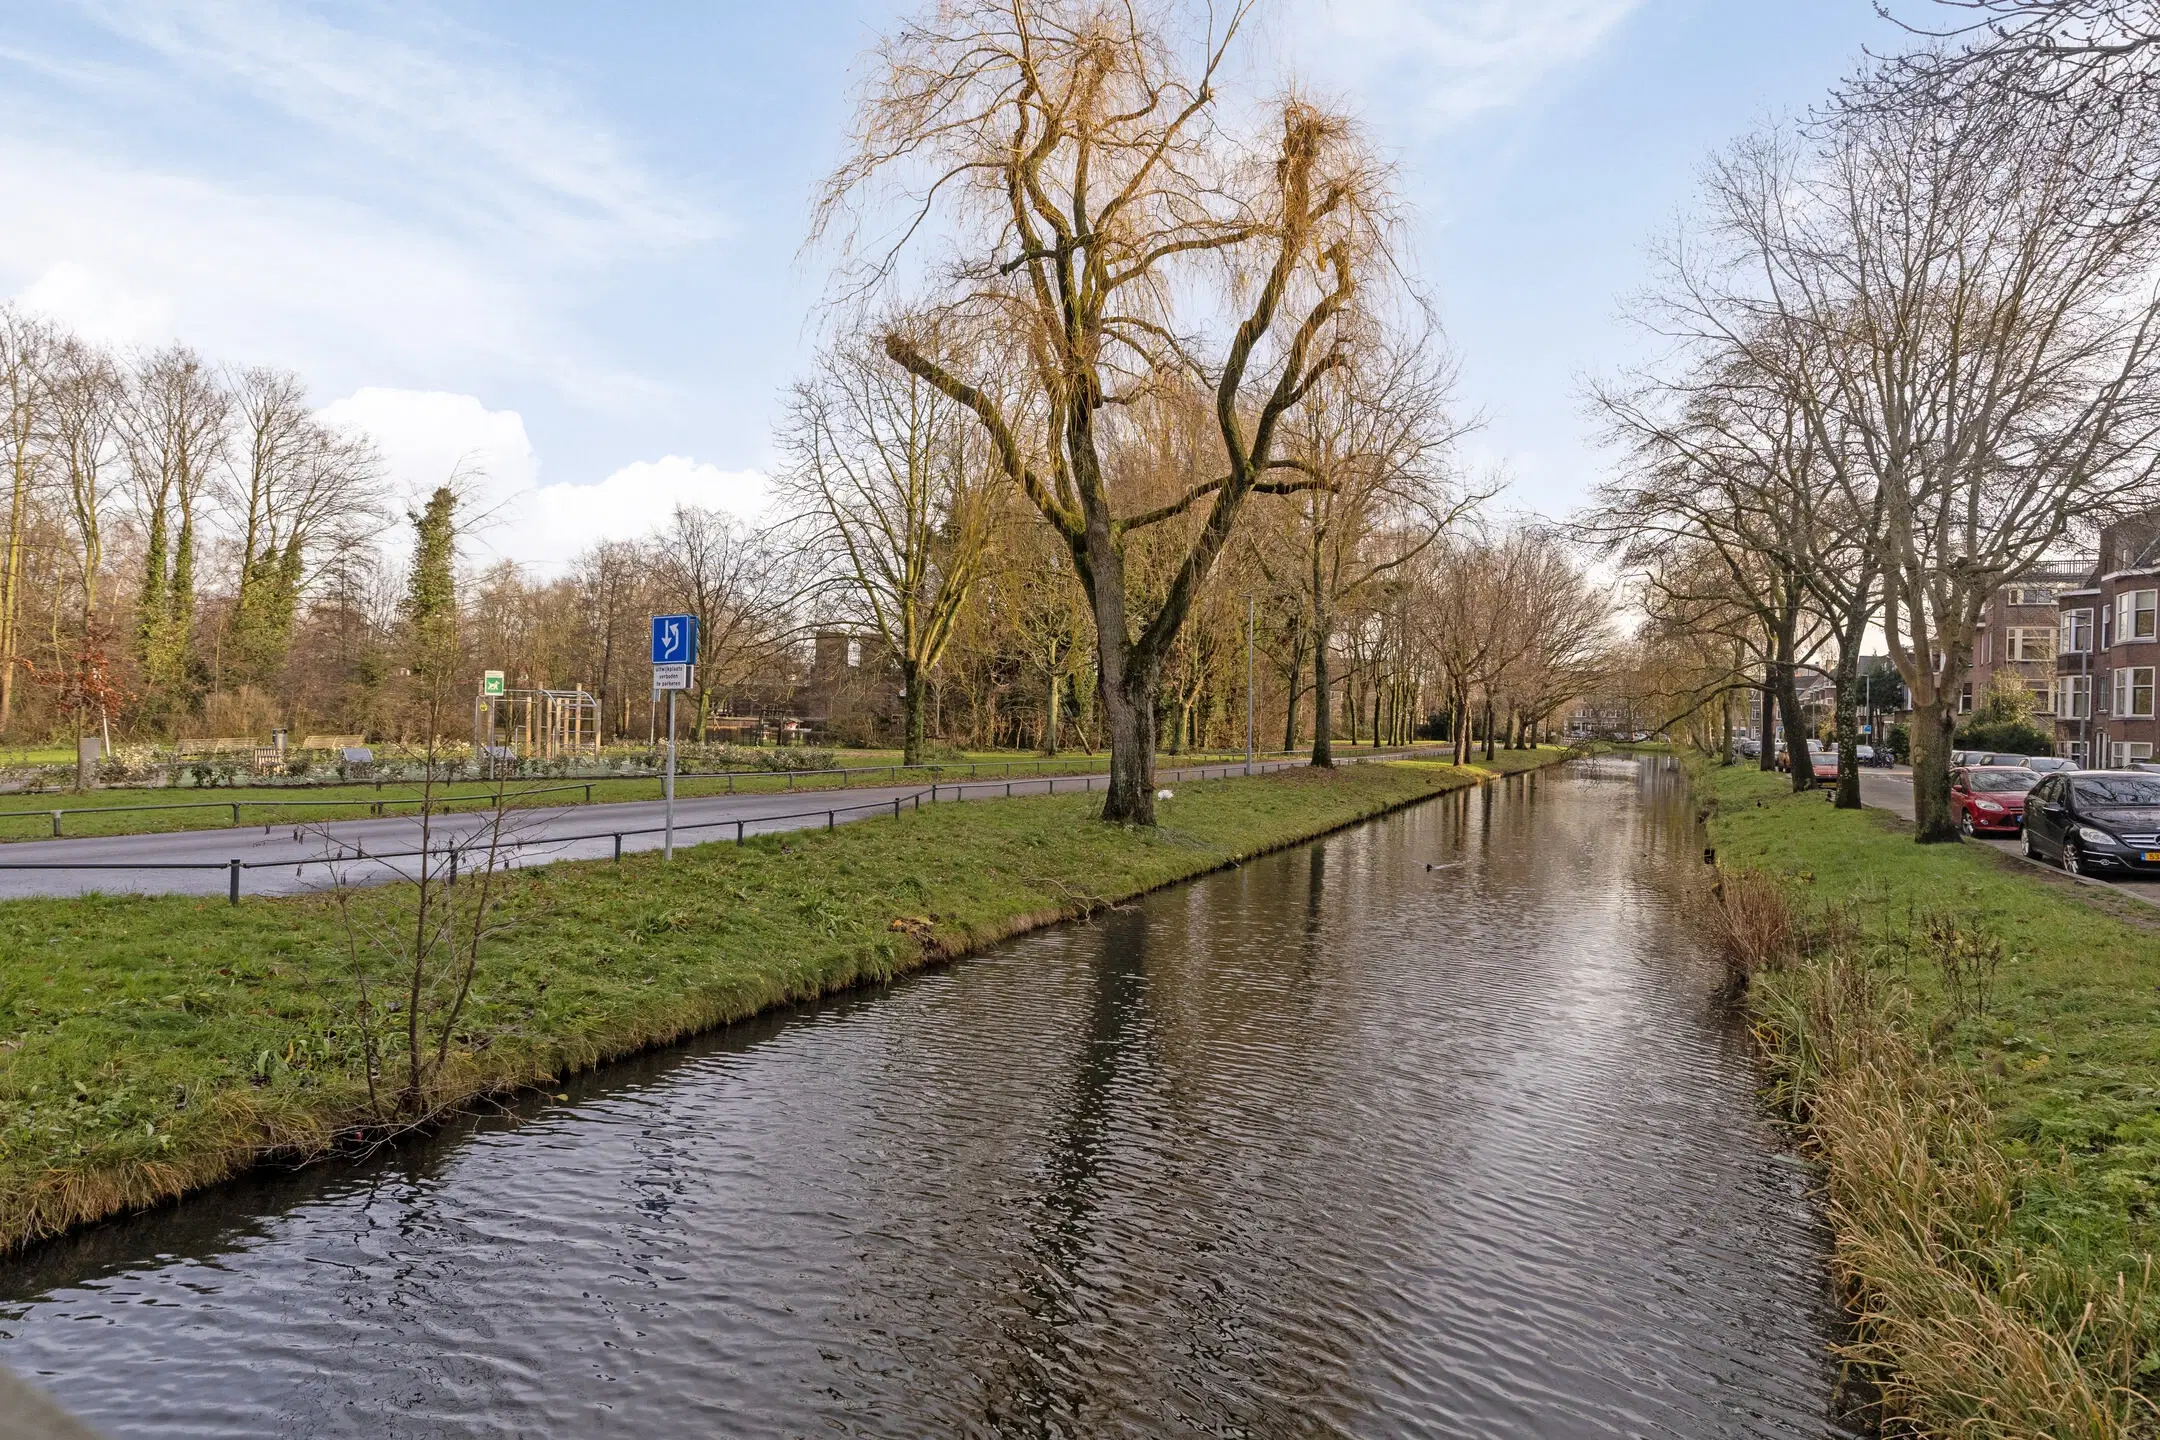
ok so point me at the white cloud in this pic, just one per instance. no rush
(555, 522)
(426, 436)
(1447, 60)
(94, 307)
(516, 154)
(414, 203)
(245, 277)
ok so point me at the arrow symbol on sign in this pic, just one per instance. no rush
(674, 636)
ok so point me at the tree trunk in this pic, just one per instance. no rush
(1488, 727)
(1050, 717)
(1796, 751)
(1290, 730)
(1323, 743)
(1130, 719)
(1930, 739)
(913, 704)
(1766, 756)
(1848, 734)
(11, 588)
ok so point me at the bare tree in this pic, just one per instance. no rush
(609, 575)
(1377, 431)
(1958, 296)
(1723, 464)
(892, 482)
(1097, 192)
(297, 493)
(173, 426)
(2047, 49)
(27, 349)
(737, 586)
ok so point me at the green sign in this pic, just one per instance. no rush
(491, 682)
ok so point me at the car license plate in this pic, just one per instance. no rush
(2152, 857)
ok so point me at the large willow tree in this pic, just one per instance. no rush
(1118, 238)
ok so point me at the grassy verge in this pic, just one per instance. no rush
(1973, 1047)
(29, 816)
(156, 1045)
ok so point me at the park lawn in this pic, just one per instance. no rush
(37, 755)
(2067, 1053)
(1514, 762)
(28, 815)
(155, 1045)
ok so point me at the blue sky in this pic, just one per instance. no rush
(563, 239)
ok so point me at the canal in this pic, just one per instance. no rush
(1434, 1127)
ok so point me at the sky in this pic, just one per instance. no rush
(562, 245)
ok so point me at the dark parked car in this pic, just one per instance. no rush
(2096, 822)
(1989, 800)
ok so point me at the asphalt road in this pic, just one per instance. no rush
(1892, 790)
(288, 859)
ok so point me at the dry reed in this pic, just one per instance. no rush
(1947, 1319)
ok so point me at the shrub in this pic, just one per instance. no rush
(2015, 737)
(1762, 927)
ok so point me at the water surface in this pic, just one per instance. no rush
(1338, 1143)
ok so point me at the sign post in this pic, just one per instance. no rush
(674, 652)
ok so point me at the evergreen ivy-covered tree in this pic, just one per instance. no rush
(431, 592)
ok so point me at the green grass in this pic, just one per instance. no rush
(29, 816)
(158, 1044)
(2067, 1053)
(36, 755)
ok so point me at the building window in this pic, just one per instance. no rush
(2073, 751)
(2027, 595)
(2135, 615)
(2073, 697)
(1965, 699)
(2125, 751)
(854, 654)
(2043, 695)
(2077, 632)
(2032, 642)
(1986, 655)
(2133, 691)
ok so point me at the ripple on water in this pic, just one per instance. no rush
(1333, 1144)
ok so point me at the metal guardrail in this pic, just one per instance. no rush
(956, 789)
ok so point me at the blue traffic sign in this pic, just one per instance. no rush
(674, 639)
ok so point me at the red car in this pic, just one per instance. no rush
(1991, 798)
(1823, 763)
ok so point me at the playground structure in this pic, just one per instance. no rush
(536, 724)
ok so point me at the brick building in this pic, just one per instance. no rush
(2019, 634)
(2108, 648)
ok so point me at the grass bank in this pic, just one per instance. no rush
(156, 1045)
(152, 810)
(1973, 1049)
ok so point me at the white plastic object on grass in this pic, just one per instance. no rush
(1164, 795)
